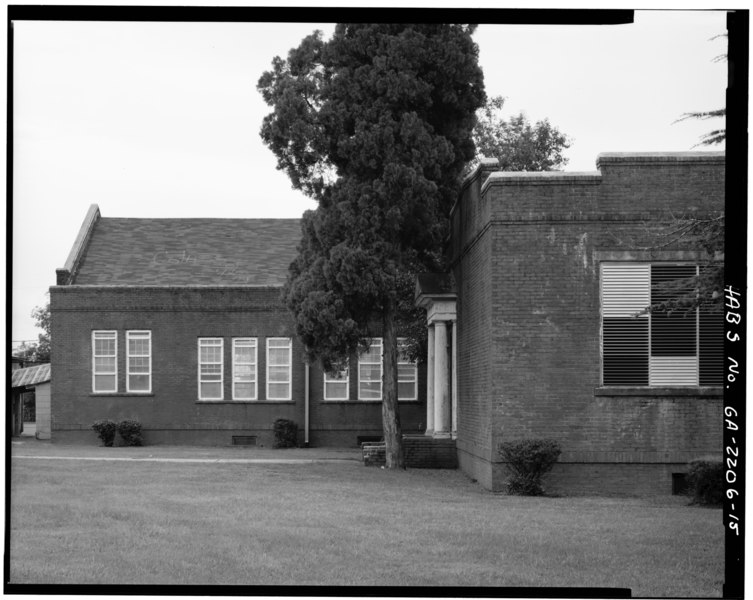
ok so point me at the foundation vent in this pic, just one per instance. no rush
(679, 484)
(244, 440)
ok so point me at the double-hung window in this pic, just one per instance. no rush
(279, 368)
(104, 361)
(244, 368)
(210, 368)
(370, 372)
(139, 361)
(336, 385)
(660, 348)
(407, 373)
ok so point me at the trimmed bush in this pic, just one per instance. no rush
(705, 481)
(105, 431)
(286, 434)
(130, 431)
(528, 461)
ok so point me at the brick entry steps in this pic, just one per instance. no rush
(421, 452)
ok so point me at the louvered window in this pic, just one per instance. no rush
(673, 348)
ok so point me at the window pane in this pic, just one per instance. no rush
(245, 354)
(406, 391)
(244, 373)
(279, 343)
(370, 390)
(278, 373)
(245, 391)
(370, 372)
(138, 383)
(279, 391)
(336, 376)
(211, 391)
(138, 346)
(104, 347)
(138, 364)
(211, 354)
(335, 391)
(279, 356)
(211, 372)
(104, 364)
(406, 372)
(373, 355)
(104, 383)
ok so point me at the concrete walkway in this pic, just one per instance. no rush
(33, 449)
(276, 461)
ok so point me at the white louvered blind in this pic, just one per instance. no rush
(674, 335)
(625, 292)
(625, 289)
(675, 348)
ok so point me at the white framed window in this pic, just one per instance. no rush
(657, 349)
(407, 373)
(104, 361)
(244, 369)
(279, 368)
(210, 368)
(370, 372)
(139, 361)
(337, 385)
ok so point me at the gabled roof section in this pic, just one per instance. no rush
(31, 375)
(188, 252)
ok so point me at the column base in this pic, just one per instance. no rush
(429, 432)
(441, 435)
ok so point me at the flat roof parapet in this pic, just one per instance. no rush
(643, 158)
(541, 178)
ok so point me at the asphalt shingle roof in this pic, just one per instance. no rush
(31, 375)
(219, 252)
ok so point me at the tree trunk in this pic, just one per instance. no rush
(393, 434)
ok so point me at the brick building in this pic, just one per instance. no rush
(178, 323)
(551, 272)
(537, 332)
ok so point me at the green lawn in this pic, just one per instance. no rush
(343, 524)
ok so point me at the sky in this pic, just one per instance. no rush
(163, 119)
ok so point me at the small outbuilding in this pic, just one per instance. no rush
(32, 384)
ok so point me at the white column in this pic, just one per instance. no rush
(454, 379)
(442, 417)
(430, 383)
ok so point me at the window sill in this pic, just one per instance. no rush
(245, 401)
(711, 391)
(367, 402)
(121, 395)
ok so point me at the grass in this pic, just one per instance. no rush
(343, 524)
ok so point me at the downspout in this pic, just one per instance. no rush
(306, 415)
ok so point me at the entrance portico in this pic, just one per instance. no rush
(435, 293)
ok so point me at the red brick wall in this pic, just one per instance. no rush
(538, 265)
(172, 413)
(473, 272)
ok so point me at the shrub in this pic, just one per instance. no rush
(528, 461)
(286, 433)
(705, 481)
(130, 431)
(105, 431)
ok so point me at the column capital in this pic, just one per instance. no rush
(435, 292)
(441, 310)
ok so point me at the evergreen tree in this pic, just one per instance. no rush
(375, 124)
